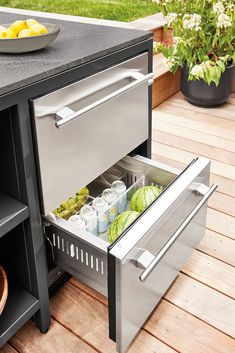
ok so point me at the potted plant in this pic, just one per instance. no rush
(203, 46)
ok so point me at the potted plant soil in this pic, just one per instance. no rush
(203, 46)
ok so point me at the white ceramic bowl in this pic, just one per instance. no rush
(28, 44)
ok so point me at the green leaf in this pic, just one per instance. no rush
(200, 54)
(165, 52)
(221, 65)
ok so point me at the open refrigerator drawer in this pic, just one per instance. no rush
(145, 259)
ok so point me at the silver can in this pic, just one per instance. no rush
(111, 196)
(120, 188)
(101, 207)
(78, 220)
(89, 214)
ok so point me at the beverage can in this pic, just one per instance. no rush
(111, 196)
(101, 207)
(89, 214)
(78, 220)
(120, 188)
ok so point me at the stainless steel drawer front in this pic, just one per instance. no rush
(149, 256)
(109, 119)
(156, 260)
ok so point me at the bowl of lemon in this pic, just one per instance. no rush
(26, 36)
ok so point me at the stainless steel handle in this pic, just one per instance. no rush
(66, 115)
(177, 233)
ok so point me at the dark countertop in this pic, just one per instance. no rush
(76, 44)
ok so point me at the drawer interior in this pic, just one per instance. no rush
(83, 254)
(135, 174)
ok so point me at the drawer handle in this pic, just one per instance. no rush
(66, 114)
(144, 275)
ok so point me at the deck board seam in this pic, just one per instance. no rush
(90, 295)
(193, 141)
(207, 285)
(198, 318)
(76, 335)
(190, 128)
(177, 104)
(223, 212)
(158, 338)
(201, 154)
(216, 258)
(13, 347)
(224, 235)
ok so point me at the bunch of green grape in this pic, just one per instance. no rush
(72, 205)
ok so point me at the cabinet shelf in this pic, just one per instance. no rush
(12, 213)
(20, 307)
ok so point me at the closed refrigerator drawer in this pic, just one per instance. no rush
(136, 270)
(84, 128)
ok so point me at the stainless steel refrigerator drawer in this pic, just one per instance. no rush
(84, 128)
(136, 270)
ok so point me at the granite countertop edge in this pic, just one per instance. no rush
(68, 66)
(92, 42)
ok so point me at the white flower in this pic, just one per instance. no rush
(170, 18)
(206, 64)
(197, 71)
(156, 46)
(224, 21)
(170, 62)
(158, 2)
(192, 21)
(177, 40)
(231, 7)
(218, 8)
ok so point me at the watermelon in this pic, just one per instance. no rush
(143, 197)
(120, 223)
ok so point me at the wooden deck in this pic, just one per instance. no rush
(197, 314)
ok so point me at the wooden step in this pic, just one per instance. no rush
(162, 35)
(165, 84)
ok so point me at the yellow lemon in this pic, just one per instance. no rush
(17, 26)
(3, 33)
(27, 32)
(30, 21)
(39, 29)
(7, 33)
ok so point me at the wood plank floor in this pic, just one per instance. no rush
(197, 314)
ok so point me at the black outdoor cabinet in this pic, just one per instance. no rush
(22, 251)
(22, 239)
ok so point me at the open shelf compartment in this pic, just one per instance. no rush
(20, 307)
(12, 213)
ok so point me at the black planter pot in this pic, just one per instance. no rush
(201, 94)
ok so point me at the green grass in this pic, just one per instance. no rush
(119, 10)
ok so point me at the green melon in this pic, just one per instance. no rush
(120, 223)
(143, 197)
